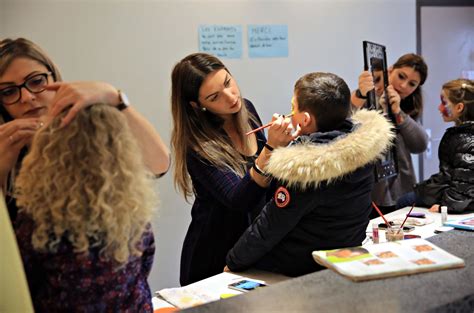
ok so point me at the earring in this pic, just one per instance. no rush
(203, 109)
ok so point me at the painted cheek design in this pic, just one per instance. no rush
(444, 110)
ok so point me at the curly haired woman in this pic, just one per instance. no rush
(83, 227)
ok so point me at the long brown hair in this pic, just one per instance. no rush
(201, 131)
(413, 104)
(461, 90)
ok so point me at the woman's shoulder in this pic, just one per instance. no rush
(458, 138)
(253, 111)
(250, 107)
(23, 224)
(464, 130)
(196, 163)
(466, 127)
(148, 236)
(249, 104)
(193, 156)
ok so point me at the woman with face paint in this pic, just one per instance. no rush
(405, 79)
(453, 186)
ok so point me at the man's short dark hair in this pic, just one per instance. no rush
(326, 96)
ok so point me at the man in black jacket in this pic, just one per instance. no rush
(324, 178)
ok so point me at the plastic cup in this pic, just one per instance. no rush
(394, 233)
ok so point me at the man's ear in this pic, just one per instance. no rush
(307, 118)
(194, 105)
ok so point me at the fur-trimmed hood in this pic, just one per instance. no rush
(310, 163)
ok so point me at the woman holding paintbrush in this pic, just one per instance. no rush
(219, 160)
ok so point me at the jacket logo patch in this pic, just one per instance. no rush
(282, 197)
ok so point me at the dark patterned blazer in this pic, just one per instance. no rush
(67, 281)
(220, 213)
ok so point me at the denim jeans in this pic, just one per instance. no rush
(408, 199)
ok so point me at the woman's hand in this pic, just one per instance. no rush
(394, 99)
(280, 134)
(435, 208)
(226, 269)
(14, 136)
(80, 95)
(366, 82)
(84, 94)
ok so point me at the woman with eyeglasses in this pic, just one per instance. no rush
(405, 79)
(218, 162)
(31, 86)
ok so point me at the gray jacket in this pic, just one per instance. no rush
(412, 138)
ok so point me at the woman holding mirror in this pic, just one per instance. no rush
(404, 95)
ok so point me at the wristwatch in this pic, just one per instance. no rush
(124, 102)
(359, 95)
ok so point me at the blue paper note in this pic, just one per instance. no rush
(267, 41)
(223, 41)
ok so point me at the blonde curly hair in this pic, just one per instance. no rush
(87, 183)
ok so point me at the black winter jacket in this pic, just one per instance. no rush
(453, 186)
(323, 201)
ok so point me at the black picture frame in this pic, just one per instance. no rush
(375, 60)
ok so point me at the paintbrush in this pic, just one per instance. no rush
(406, 217)
(380, 213)
(266, 125)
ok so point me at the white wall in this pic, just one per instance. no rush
(135, 44)
(447, 44)
(2, 19)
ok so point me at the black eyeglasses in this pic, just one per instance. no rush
(35, 84)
